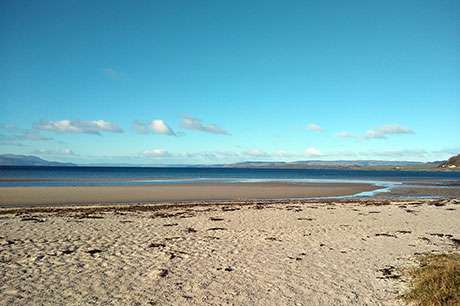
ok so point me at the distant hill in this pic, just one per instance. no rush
(451, 163)
(325, 164)
(28, 160)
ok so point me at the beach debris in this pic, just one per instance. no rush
(425, 239)
(93, 252)
(441, 203)
(389, 272)
(294, 208)
(440, 235)
(180, 214)
(68, 251)
(456, 241)
(164, 272)
(170, 224)
(306, 219)
(386, 235)
(157, 245)
(186, 216)
(404, 232)
(374, 212)
(88, 216)
(217, 229)
(39, 257)
(273, 239)
(226, 208)
(230, 269)
(34, 219)
(7, 242)
(216, 219)
(190, 230)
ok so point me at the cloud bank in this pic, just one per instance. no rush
(312, 152)
(381, 132)
(314, 127)
(345, 134)
(63, 152)
(156, 126)
(79, 126)
(191, 123)
(385, 130)
(156, 153)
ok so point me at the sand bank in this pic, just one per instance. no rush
(49, 196)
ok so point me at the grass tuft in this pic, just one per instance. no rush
(435, 282)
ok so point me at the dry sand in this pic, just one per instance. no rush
(39, 196)
(296, 253)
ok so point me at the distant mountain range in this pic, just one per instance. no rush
(454, 162)
(324, 164)
(28, 160)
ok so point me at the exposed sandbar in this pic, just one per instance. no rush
(81, 195)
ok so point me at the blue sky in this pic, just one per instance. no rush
(223, 81)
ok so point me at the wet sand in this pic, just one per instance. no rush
(291, 252)
(422, 192)
(52, 196)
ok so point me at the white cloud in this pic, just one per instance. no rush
(63, 152)
(14, 133)
(399, 154)
(160, 127)
(314, 127)
(140, 127)
(283, 154)
(196, 124)
(312, 152)
(255, 153)
(79, 126)
(156, 126)
(156, 153)
(345, 134)
(385, 130)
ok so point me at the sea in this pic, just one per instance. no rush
(42, 176)
(11, 176)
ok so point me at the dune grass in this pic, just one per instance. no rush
(435, 282)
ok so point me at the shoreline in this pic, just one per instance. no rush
(88, 195)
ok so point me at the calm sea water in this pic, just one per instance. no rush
(100, 176)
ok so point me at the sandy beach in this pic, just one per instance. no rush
(237, 253)
(46, 196)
